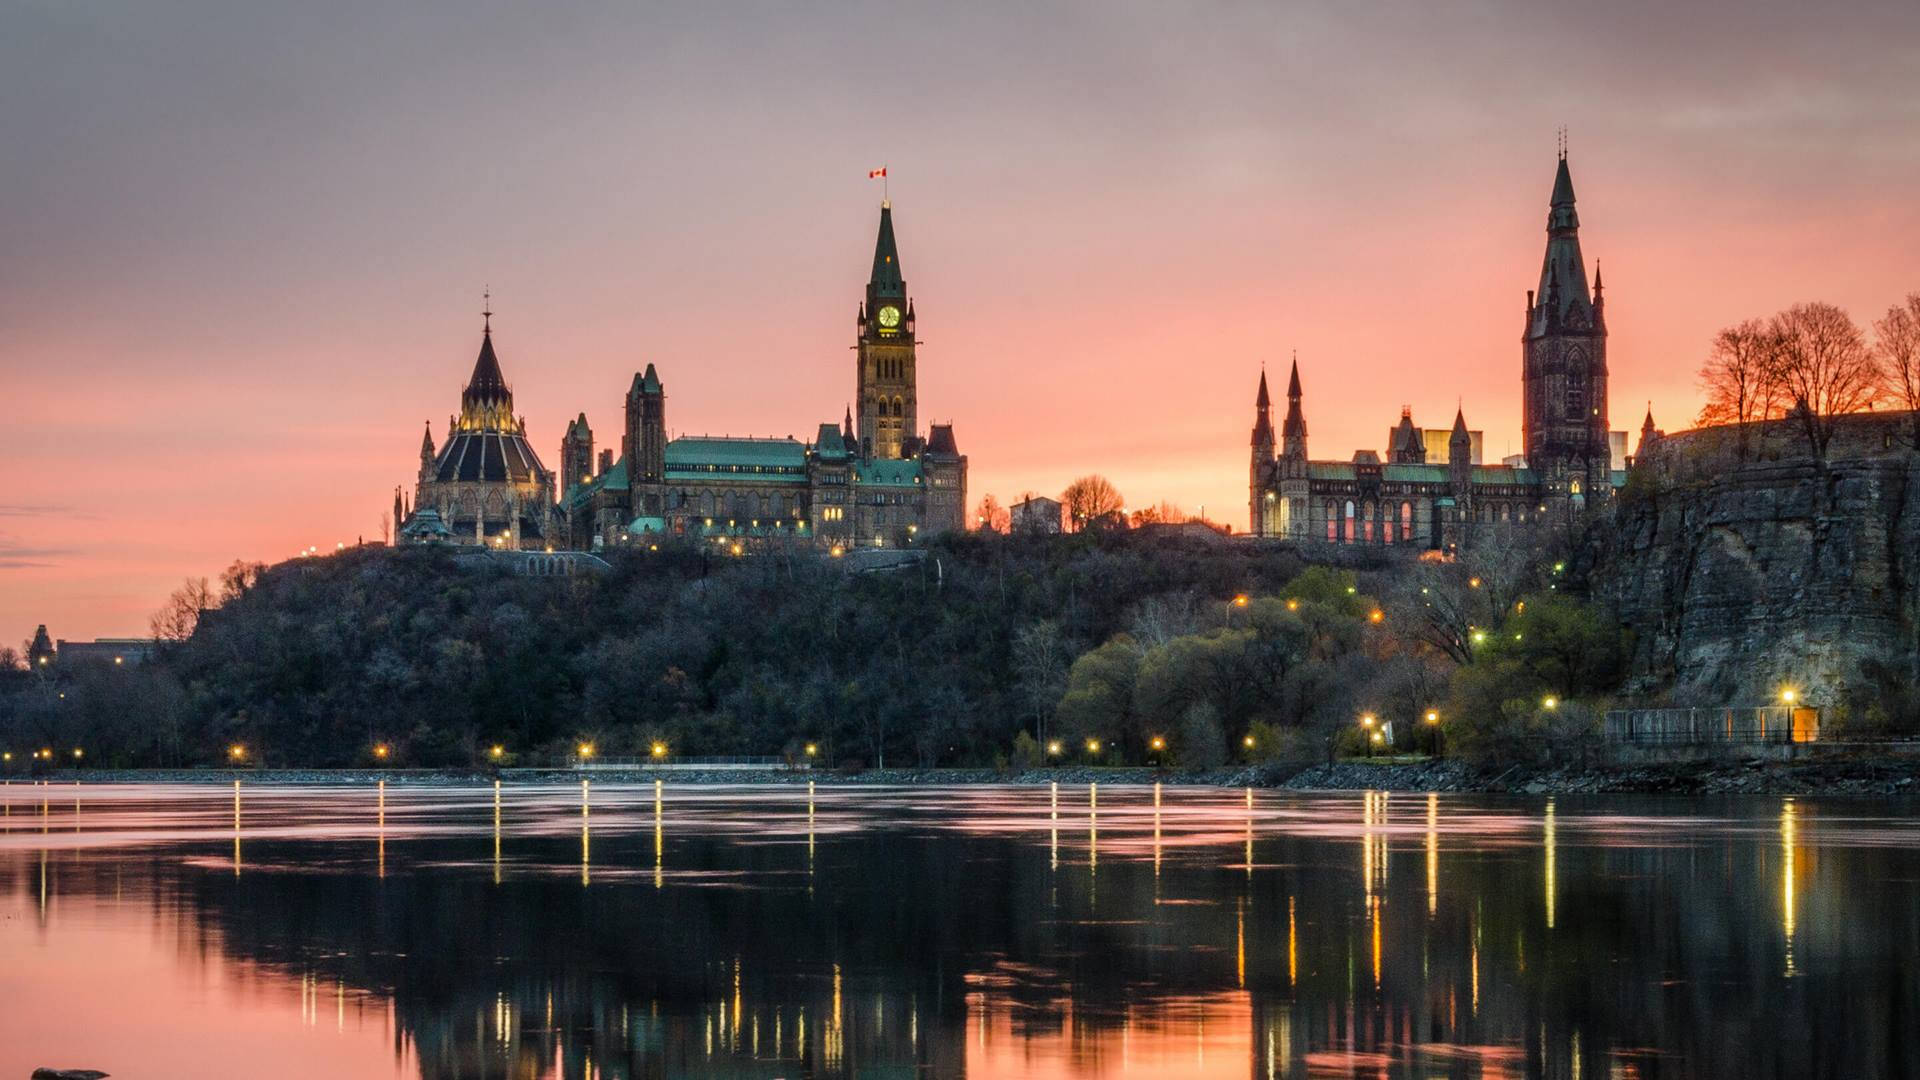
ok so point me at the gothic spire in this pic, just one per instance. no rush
(1563, 298)
(1262, 417)
(1261, 401)
(886, 281)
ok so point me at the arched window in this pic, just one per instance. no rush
(1406, 521)
(1346, 532)
(899, 407)
(1366, 522)
(1333, 525)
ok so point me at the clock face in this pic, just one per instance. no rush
(889, 316)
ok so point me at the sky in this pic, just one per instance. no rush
(243, 246)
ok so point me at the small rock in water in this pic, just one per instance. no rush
(68, 1074)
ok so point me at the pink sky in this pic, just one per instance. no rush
(242, 251)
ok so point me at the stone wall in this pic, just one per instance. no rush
(1742, 574)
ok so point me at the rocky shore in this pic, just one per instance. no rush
(1878, 775)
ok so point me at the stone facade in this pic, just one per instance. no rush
(882, 484)
(1409, 499)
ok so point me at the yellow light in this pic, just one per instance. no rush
(380, 750)
(118, 659)
(78, 753)
(1378, 738)
(1366, 720)
(1093, 746)
(1054, 748)
(1240, 600)
(1788, 695)
(1376, 615)
(659, 749)
(812, 749)
(1550, 702)
(1158, 743)
(1473, 583)
(586, 749)
(1293, 605)
(237, 752)
(1247, 742)
(838, 551)
(1479, 636)
(496, 752)
(6, 756)
(1350, 590)
(1433, 716)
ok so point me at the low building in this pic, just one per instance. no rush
(1036, 514)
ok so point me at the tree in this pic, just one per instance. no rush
(180, 615)
(1898, 350)
(1741, 384)
(1166, 513)
(1040, 659)
(1825, 369)
(991, 516)
(1089, 499)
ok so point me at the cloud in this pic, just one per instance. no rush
(29, 510)
(17, 556)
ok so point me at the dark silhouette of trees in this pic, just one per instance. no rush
(1897, 345)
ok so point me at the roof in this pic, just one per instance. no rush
(887, 473)
(886, 280)
(645, 382)
(494, 456)
(1414, 474)
(1563, 273)
(486, 380)
(940, 440)
(646, 524)
(1329, 470)
(704, 458)
(829, 443)
(1502, 474)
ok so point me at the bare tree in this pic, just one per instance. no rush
(1739, 378)
(1089, 499)
(1825, 369)
(991, 516)
(1041, 659)
(177, 618)
(1898, 349)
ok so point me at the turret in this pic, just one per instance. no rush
(40, 650)
(1293, 431)
(1564, 359)
(1460, 453)
(576, 454)
(646, 437)
(426, 455)
(884, 358)
(1262, 422)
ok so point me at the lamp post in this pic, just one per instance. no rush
(1372, 736)
(1439, 737)
(1239, 601)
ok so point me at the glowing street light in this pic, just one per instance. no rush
(659, 749)
(1054, 748)
(1240, 600)
(1550, 702)
(1247, 742)
(1376, 616)
(237, 752)
(1093, 746)
(812, 749)
(1157, 743)
(585, 749)
(1293, 605)
(1366, 720)
(496, 751)
(1433, 716)
(1479, 637)
(381, 750)
(1788, 695)
(78, 753)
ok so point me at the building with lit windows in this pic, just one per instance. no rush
(1414, 496)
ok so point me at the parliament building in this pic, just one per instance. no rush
(874, 480)
(1433, 490)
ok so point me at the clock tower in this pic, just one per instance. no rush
(885, 380)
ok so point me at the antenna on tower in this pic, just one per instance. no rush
(1560, 142)
(486, 309)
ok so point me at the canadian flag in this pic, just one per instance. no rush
(875, 174)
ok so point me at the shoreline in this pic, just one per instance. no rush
(1857, 776)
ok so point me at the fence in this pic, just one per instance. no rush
(683, 764)
(1732, 724)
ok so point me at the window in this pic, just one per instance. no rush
(1576, 399)
(1346, 532)
(1333, 525)
(1406, 521)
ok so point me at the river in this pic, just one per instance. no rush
(634, 930)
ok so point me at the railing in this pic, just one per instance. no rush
(1752, 724)
(670, 763)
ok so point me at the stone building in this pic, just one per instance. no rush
(484, 485)
(1413, 497)
(879, 484)
(1036, 514)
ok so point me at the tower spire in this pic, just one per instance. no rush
(486, 310)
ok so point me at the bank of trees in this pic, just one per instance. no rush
(1808, 365)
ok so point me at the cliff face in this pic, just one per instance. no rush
(1741, 575)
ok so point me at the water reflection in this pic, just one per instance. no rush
(928, 931)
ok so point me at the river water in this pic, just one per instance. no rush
(779, 931)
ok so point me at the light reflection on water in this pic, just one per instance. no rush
(658, 930)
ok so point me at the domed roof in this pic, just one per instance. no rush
(499, 456)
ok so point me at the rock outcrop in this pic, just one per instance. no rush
(1741, 571)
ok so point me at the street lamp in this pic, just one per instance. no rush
(78, 753)
(381, 750)
(1054, 748)
(1788, 696)
(659, 749)
(586, 750)
(496, 751)
(1550, 702)
(1247, 742)
(812, 749)
(1158, 743)
(1376, 615)
(1373, 737)
(237, 753)
(1093, 746)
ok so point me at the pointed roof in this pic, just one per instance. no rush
(1261, 400)
(426, 440)
(1459, 425)
(1563, 298)
(886, 280)
(487, 381)
(1293, 382)
(1647, 425)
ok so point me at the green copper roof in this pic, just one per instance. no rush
(614, 479)
(1502, 474)
(641, 525)
(888, 473)
(697, 450)
(829, 443)
(1329, 470)
(1414, 474)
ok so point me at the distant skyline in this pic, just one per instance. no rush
(243, 247)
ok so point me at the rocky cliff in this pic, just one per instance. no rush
(1742, 571)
